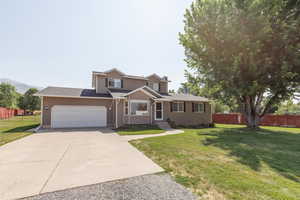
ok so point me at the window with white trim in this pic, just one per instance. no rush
(178, 107)
(154, 86)
(114, 83)
(198, 107)
(139, 107)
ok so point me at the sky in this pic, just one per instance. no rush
(60, 42)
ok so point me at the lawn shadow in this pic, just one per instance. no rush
(277, 149)
(21, 128)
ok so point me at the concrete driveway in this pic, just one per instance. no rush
(52, 161)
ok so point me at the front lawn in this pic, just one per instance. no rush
(139, 130)
(231, 162)
(15, 128)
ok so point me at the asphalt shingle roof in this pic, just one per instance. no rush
(71, 92)
(116, 93)
(184, 97)
(113, 93)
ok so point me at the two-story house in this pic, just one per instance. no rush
(118, 99)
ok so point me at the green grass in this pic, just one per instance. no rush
(15, 128)
(139, 130)
(231, 162)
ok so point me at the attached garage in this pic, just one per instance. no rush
(75, 116)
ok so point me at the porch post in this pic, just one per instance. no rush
(151, 111)
(129, 110)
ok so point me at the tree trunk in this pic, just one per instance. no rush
(252, 120)
(251, 113)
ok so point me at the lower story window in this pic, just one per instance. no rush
(198, 107)
(178, 107)
(139, 108)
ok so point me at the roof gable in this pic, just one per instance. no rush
(153, 92)
(154, 77)
(115, 70)
(142, 90)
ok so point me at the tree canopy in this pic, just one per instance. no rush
(8, 95)
(289, 107)
(245, 52)
(28, 101)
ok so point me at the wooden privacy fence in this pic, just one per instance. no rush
(6, 113)
(268, 120)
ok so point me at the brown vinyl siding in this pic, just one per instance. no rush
(128, 83)
(132, 84)
(188, 117)
(120, 113)
(133, 119)
(163, 84)
(139, 96)
(100, 84)
(163, 87)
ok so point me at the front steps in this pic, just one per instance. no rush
(163, 125)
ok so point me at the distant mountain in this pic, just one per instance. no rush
(20, 87)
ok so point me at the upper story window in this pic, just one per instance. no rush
(154, 86)
(114, 83)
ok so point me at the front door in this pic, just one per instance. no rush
(158, 111)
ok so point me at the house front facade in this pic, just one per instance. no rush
(119, 99)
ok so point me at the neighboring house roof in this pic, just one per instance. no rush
(71, 92)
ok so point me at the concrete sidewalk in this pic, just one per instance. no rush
(59, 160)
(168, 132)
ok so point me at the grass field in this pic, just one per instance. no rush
(231, 162)
(139, 130)
(15, 128)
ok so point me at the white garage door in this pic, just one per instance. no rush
(78, 116)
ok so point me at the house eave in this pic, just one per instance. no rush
(142, 90)
(76, 97)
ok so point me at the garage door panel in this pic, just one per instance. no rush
(78, 116)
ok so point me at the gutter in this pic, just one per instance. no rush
(78, 97)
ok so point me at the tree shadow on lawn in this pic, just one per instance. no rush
(21, 128)
(279, 150)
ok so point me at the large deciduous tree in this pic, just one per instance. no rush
(8, 95)
(243, 51)
(31, 102)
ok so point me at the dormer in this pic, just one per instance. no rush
(157, 83)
